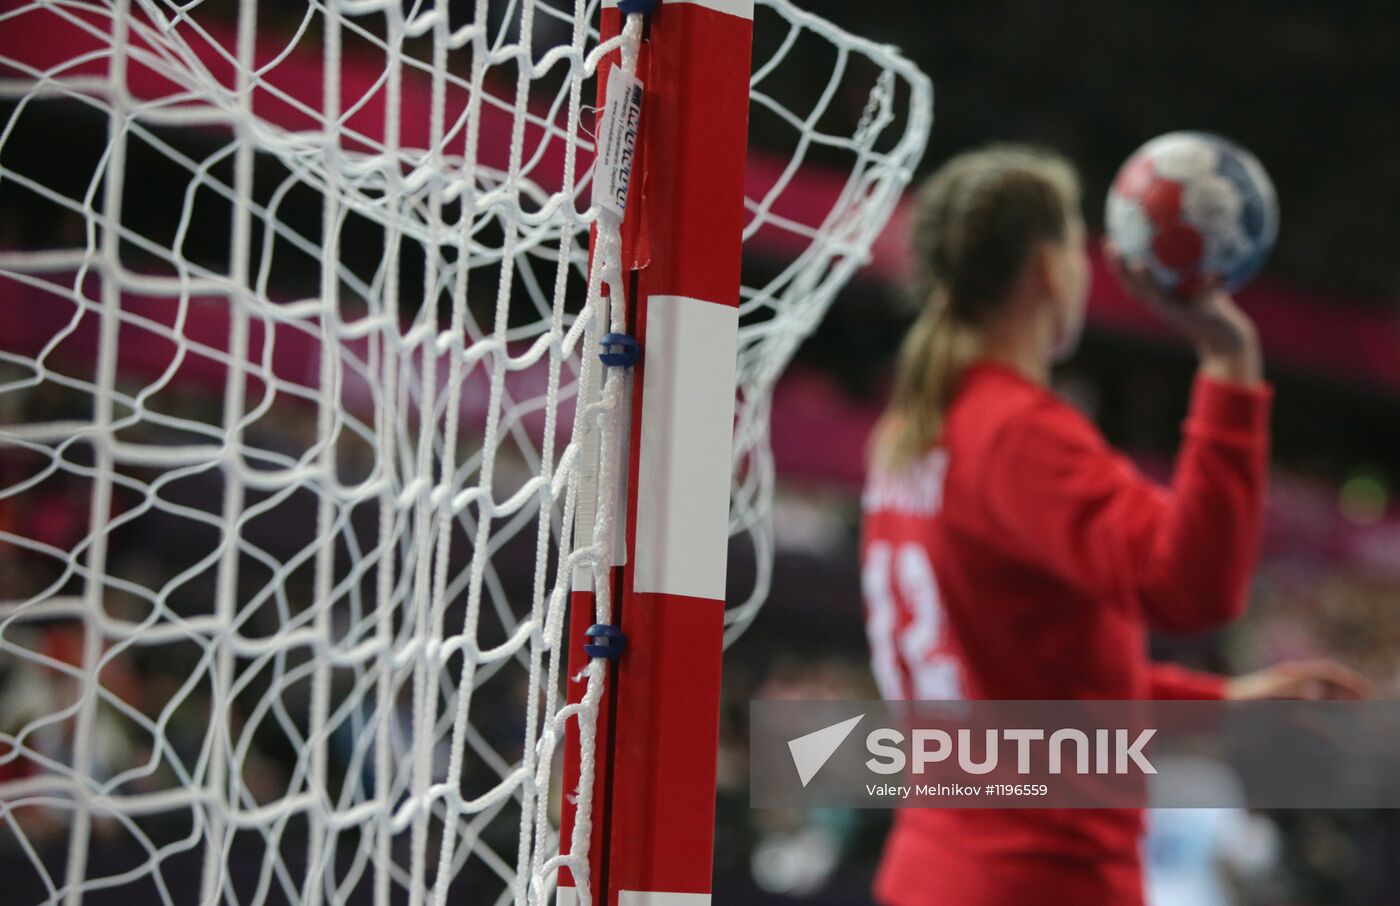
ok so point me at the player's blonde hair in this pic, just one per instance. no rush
(976, 223)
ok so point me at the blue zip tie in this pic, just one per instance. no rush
(637, 6)
(611, 641)
(619, 350)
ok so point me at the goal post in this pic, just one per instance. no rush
(655, 759)
(341, 409)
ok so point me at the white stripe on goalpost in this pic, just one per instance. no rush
(686, 447)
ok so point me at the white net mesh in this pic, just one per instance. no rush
(293, 305)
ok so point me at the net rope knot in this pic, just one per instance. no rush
(298, 385)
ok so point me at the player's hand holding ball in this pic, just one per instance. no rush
(1191, 217)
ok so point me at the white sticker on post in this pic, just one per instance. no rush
(617, 141)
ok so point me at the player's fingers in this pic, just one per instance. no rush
(1347, 684)
(1134, 279)
(1148, 288)
(1329, 679)
(1137, 279)
(1115, 263)
(1130, 276)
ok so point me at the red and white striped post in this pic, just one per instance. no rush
(654, 793)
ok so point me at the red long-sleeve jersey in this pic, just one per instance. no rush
(1023, 558)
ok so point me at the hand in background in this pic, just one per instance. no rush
(1312, 680)
(1224, 336)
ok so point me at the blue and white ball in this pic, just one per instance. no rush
(1193, 206)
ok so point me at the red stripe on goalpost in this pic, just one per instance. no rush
(668, 684)
(684, 230)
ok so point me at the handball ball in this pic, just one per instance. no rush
(1192, 206)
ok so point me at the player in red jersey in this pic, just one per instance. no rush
(1010, 553)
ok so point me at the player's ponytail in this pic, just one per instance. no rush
(976, 223)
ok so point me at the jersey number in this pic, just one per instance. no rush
(905, 569)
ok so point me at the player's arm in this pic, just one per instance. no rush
(1171, 682)
(1222, 470)
(1193, 557)
(1310, 680)
(1060, 498)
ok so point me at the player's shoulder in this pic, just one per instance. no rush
(996, 407)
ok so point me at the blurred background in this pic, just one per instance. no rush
(1313, 89)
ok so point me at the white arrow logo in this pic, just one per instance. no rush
(812, 751)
